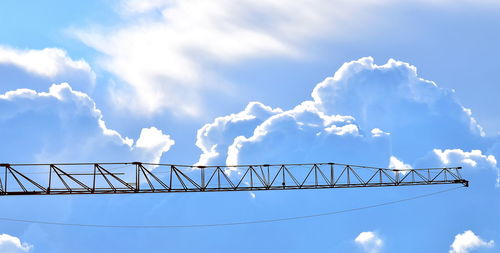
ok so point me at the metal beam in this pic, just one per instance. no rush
(136, 177)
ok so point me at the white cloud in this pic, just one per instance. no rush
(351, 129)
(458, 157)
(396, 164)
(165, 51)
(51, 64)
(12, 244)
(46, 62)
(214, 138)
(376, 132)
(65, 125)
(423, 125)
(387, 97)
(468, 241)
(344, 120)
(300, 134)
(474, 158)
(369, 241)
(153, 143)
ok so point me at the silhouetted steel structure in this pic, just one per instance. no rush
(136, 177)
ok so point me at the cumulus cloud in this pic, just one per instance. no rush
(214, 138)
(152, 143)
(27, 66)
(65, 125)
(369, 241)
(468, 241)
(303, 134)
(12, 244)
(474, 158)
(394, 98)
(379, 115)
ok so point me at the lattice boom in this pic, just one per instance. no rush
(136, 177)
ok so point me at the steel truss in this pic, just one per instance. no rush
(136, 177)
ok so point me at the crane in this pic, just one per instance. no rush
(138, 177)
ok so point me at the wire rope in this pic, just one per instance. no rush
(229, 223)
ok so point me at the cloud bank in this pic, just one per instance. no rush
(65, 125)
(379, 115)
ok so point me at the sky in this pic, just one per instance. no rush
(398, 84)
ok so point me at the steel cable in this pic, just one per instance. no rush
(229, 223)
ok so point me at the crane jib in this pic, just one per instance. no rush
(137, 177)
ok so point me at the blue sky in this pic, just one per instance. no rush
(380, 83)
